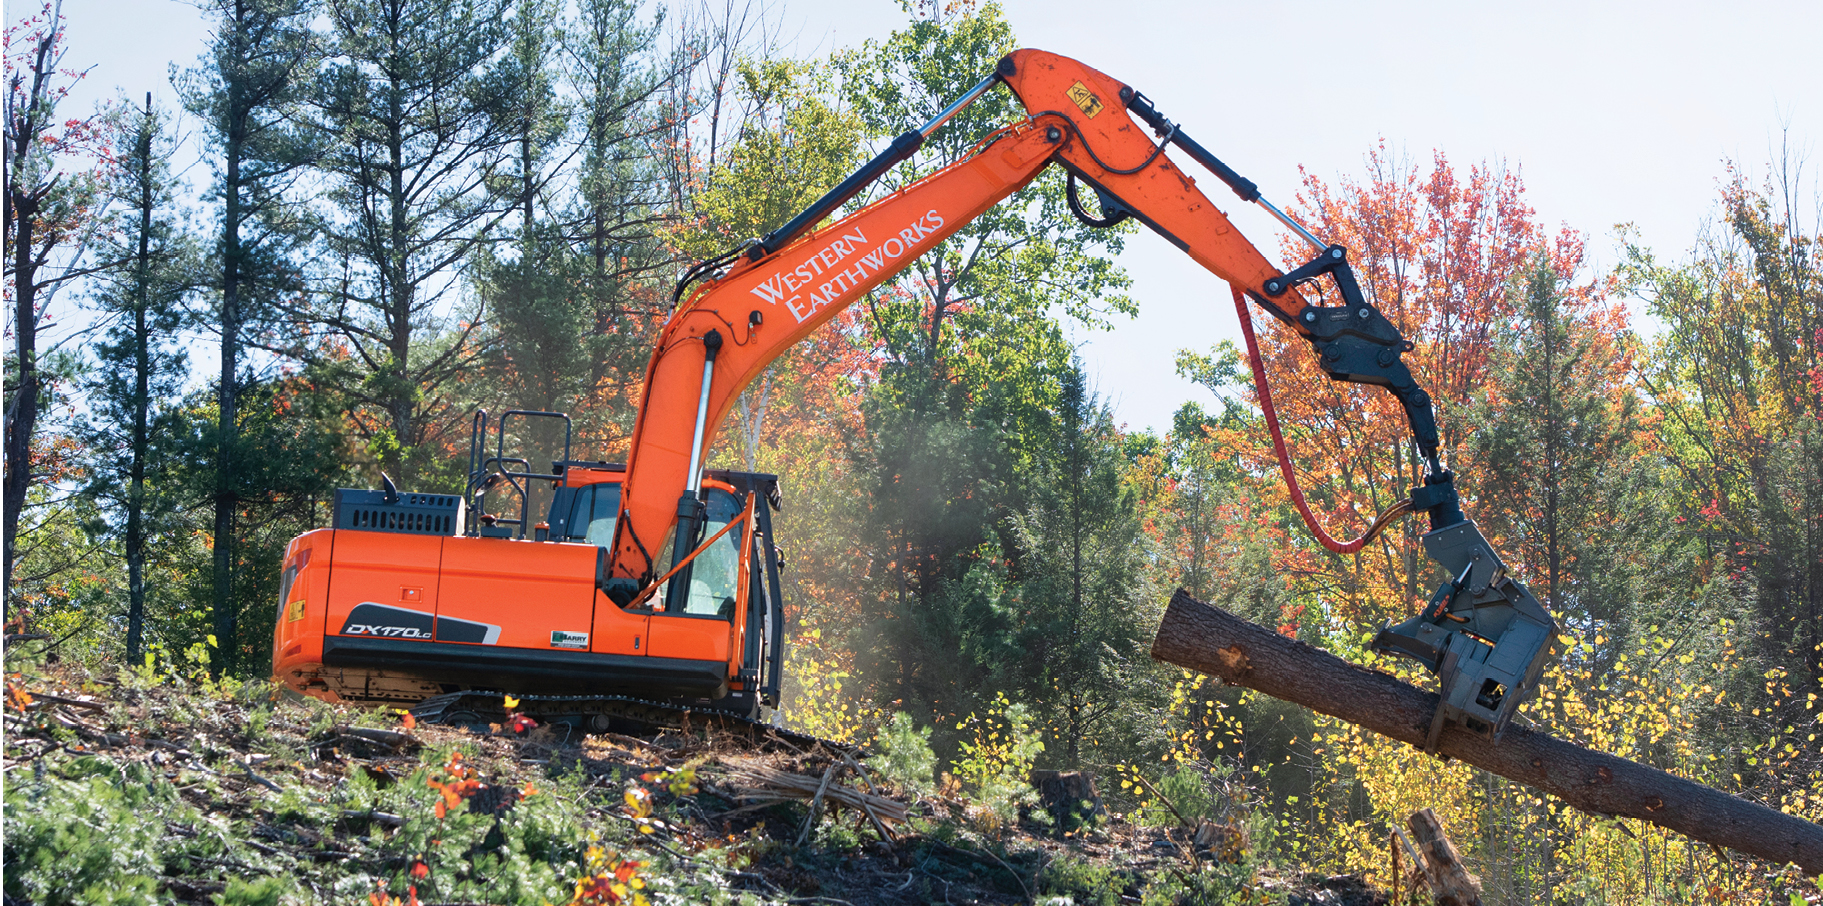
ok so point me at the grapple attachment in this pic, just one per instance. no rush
(1483, 634)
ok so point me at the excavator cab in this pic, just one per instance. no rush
(504, 589)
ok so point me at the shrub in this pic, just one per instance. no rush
(96, 838)
(1080, 883)
(997, 763)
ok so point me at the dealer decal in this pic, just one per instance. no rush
(561, 639)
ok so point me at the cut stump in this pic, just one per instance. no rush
(1451, 883)
(1070, 798)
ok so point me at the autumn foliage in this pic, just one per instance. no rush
(966, 526)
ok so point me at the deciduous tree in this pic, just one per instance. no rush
(49, 207)
(1436, 251)
(1735, 376)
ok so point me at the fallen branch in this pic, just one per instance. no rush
(932, 841)
(393, 739)
(1210, 640)
(72, 702)
(886, 834)
(268, 784)
(816, 802)
(759, 785)
(386, 819)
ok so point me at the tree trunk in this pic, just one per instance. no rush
(227, 398)
(1207, 639)
(22, 409)
(1070, 797)
(142, 399)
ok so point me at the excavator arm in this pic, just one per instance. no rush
(1483, 633)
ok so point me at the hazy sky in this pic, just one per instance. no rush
(1612, 112)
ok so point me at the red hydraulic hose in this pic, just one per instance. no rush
(1278, 447)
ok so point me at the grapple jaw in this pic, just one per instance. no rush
(1483, 634)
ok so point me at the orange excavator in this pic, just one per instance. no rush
(656, 585)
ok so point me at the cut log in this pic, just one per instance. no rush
(1213, 641)
(1450, 881)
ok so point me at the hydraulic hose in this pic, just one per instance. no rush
(1278, 446)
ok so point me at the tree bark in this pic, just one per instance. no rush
(1210, 640)
(227, 387)
(22, 408)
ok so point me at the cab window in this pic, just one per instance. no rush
(593, 512)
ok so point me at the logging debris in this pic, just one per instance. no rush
(220, 754)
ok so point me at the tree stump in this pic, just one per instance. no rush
(1070, 798)
(1219, 842)
(1450, 881)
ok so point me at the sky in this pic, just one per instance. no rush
(1611, 112)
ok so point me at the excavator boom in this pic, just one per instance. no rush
(1487, 639)
(766, 303)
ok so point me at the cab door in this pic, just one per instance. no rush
(703, 625)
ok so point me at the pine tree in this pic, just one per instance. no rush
(246, 97)
(525, 283)
(928, 475)
(1554, 439)
(970, 349)
(419, 109)
(140, 367)
(1085, 598)
(616, 73)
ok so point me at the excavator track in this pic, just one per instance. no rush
(598, 714)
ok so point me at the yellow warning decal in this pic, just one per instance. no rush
(295, 611)
(1086, 99)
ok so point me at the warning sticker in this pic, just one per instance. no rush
(294, 611)
(561, 639)
(1082, 97)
